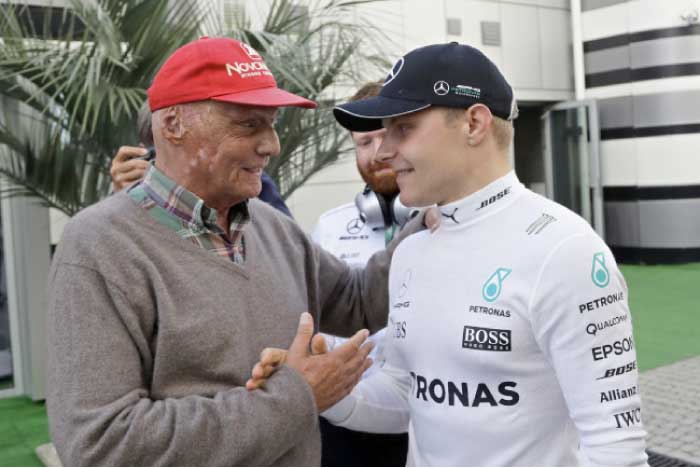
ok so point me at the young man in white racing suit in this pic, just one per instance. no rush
(510, 338)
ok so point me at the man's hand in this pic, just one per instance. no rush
(272, 358)
(127, 168)
(432, 218)
(331, 375)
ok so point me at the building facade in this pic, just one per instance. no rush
(642, 66)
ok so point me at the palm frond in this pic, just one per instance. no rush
(84, 86)
(73, 79)
(31, 163)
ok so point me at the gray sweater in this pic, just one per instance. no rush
(152, 339)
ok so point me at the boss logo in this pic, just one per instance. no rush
(486, 339)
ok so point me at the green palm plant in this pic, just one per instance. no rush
(72, 81)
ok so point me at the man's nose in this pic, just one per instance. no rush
(270, 144)
(386, 151)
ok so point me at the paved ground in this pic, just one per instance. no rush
(671, 409)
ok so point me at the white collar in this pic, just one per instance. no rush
(487, 200)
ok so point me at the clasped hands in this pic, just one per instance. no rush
(330, 374)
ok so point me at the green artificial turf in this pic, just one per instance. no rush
(23, 427)
(665, 305)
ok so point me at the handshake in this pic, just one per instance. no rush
(331, 374)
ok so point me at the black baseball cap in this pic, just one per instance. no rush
(445, 75)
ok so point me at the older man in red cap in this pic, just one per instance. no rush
(163, 296)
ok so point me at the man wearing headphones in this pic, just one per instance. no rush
(353, 232)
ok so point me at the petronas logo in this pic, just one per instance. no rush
(599, 272)
(492, 287)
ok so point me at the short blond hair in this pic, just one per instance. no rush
(502, 129)
(503, 132)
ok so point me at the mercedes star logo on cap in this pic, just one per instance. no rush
(394, 72)
(441, 88)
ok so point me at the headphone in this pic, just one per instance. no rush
(380, 212)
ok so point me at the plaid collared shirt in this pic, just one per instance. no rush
(185, 213)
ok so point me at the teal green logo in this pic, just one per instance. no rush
(599, 272)
(492, 286)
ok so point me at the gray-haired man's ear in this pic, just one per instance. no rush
(170, 124)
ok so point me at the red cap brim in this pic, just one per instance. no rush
(266, 97)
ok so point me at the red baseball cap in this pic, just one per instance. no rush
(220, 69)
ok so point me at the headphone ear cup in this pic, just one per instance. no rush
(400, 212)
(371, 208)
(362, 204)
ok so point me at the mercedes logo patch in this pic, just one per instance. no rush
(355, 226)
(441, 88)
